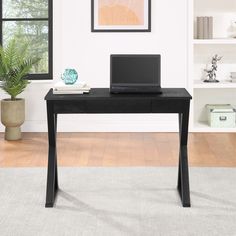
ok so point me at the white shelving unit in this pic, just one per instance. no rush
(204, 127)
(199, 56)
(222, 84)
(214, 41)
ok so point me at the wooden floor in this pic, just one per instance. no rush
(119, 149)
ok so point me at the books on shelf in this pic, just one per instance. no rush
(204, 27)
(77, 88)
(210, 27)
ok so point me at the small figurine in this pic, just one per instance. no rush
(211, 74)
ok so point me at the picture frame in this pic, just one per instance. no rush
(120, 16)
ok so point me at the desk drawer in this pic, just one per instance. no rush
(118, 106)
(69, 107)
(169, 106)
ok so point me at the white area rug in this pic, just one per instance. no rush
(118, 201)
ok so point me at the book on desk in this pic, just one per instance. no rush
(77, 88)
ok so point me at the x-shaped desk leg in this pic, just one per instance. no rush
(52, 178)
(183, 175)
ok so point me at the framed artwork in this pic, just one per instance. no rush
(121, 16)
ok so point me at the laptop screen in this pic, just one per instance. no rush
(135, 70)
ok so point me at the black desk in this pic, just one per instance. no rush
(173, 100)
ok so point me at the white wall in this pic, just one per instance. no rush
(75, 46)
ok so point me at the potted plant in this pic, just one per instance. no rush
(15, 65)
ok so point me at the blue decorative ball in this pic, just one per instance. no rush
(69, 76)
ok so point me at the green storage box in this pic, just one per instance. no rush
(221, 116)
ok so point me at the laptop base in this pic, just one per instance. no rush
(133, 89)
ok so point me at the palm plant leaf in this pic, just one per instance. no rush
(15, 65)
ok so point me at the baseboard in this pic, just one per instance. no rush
(107, 123)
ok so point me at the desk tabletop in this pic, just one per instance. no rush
(104, 93)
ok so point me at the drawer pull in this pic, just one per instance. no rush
(223, 118)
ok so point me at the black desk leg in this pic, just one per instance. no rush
(56, 175)
(183, 176)
(52, 179)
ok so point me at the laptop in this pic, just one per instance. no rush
(135, 73)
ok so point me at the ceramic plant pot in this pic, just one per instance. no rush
(12, 117)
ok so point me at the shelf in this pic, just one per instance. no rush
(204, 127)
(200, 52)
(222, 84)
(214, 41)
